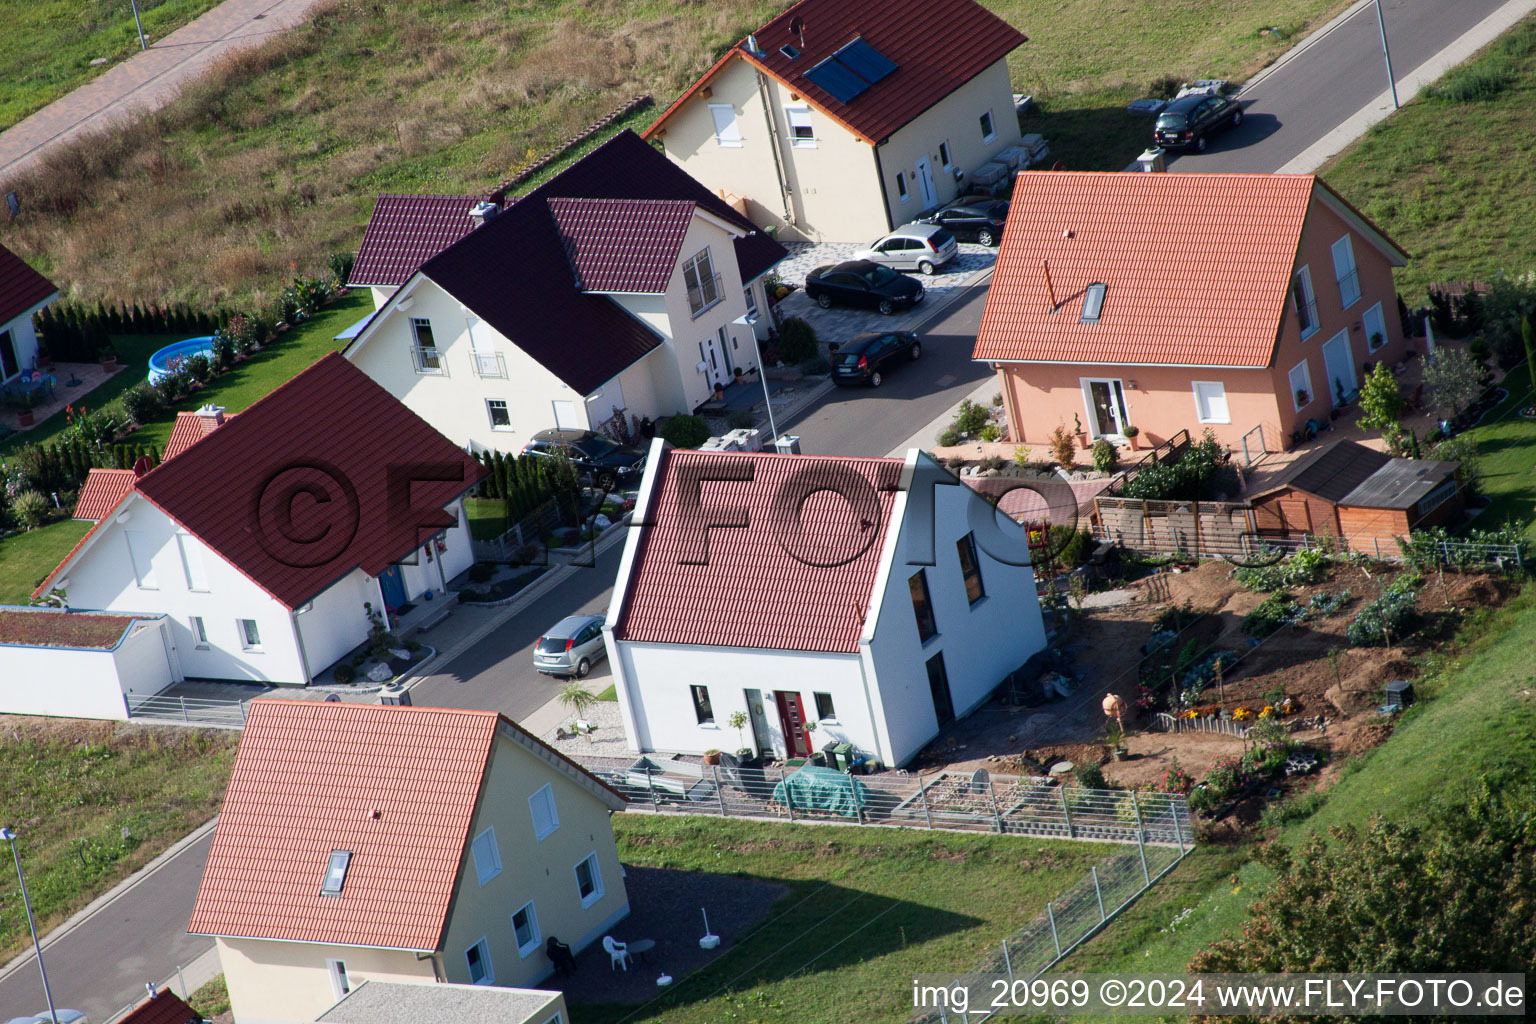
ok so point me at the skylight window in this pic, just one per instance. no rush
(789, 51)
(1093, 303)
(336, 872)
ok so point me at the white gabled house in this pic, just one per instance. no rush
(861, 594)
(23, 292)
(619, 288)
(260, 542)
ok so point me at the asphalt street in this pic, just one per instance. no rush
(1317, 89)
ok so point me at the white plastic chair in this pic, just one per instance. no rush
(618, 953)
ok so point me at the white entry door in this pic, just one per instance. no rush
(717, 366)
(1339, 364)
(1105, 400)
(565, 416)
(925, 183)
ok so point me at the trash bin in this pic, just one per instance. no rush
(840, 756)
(1399, 694)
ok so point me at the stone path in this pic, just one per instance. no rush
(149, 79)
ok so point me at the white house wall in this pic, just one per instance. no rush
(381, 294)
(76, 683)
(981, 643)
(24, 336)
(103, 579)
(656, 679)
(274, 982)
(688, 332)
(443, 566)
(336, 621)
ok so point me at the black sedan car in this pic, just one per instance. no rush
(973, 218)
(862, 283)
(1185, 123)
(598, 459)
(869, 357)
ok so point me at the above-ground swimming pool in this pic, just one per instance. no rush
(162, 361)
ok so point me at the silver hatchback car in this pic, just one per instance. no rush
(915, 246)
(570, 646)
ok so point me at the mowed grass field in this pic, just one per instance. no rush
(274, 160)
(48, 45)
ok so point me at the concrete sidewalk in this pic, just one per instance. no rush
(149, 79)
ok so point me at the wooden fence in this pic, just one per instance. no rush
(1165, 722)
(1201, 529)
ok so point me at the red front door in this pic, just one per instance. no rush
(792, 721)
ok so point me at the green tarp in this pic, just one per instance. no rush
(822, 789)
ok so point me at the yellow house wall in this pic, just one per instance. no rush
(541, 871)
(289, 982)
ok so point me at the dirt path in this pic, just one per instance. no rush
(149, 79)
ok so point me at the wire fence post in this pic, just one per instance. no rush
(1141, 845)
(1176, 811)
(997, 819)
(1098, 894)
(858, 802)
(922, 792)
(789, 800)
(183, 979)
(1007, 961)
(719, 790)
(1062, 792)
(184, 717)
(651, 785)
(1054, 937)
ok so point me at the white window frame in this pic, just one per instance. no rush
(1381, 321)
(985, 122)
(731, 138)
(750, 294)
(192, 565)
(143, 560)
(1202, 408)
(340, 983)
(699, 262)
(1304, 275)
(488, 866)
(245, 634)
(525, 950)
(546, 791)
(832, 718)
(1121, 409)
(1306, 374)
(1346, 275)
(491, 416)
(597, 880)
(484, 945)
(420, 353)
(901, 186)
(798, 117)
(199, 631)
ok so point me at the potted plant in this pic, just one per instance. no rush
(738, 374)
(108, 358)
(1302, 398)
(578, 700)
(738, 721)
(1131, 432)
(711, 757)
(1377, 340)
(24, 414)
(1082, 435)
(817, 757)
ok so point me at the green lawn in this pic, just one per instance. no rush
(612, 693)
(1451, 182)
(906, 901)
(133, 351)
(49, 45)
(487, 517)
(1475, 716)
(1507, 460)
(71, 787)
(25, 558)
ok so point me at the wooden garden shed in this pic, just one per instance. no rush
(1364, 496)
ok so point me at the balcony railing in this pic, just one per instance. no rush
(490, 364)
(1349, 289)
(706, 295)
(1306, 317)
(428, 359)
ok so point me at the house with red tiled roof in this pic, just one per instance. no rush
(161, 1007)
(619, 290)
(23, 292)
(105, 488)
(266, 542)
(431, 845)
(1245, 304)
(841, 119)
(876, 599)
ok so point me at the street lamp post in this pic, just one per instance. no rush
(138, 24)
(10, 837)
(1382, 24)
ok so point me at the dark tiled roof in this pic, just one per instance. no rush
(936, 45)
(513, 271)
(622, 245)
(1332, 471)
(58, 628)
(103, 489)
(21, 287)
(406, 231)
(1401, 483)
(330, 432)
(164, 1008)
(749, 591)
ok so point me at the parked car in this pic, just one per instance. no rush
(571, 646)
(862, 283)
(915, 246)
(973, 218)
(600, 460)
(869, 357)
(1185, 123)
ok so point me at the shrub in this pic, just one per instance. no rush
(1105, 457)
(1176, 779)
(1463, 449)
(955, 462)
(223, 352)
(481, 572)
(1090, 776)
(1381, 402)
(1021, 455)
(741, 419)
(684, 431)
(1226, 777)
(993, 463)
(344, 673)
(199, 368)
(1063, 446)
(989, 433)
(340, 264)
(526, 554)
(144, 403)
(1070, 548)
(1304, 568)
(797, 340)
(1390, 615)
(1174, 618)
(1200, 474)
(949, 437)
(30, 509)
(970, 418)
(1272, 613)
(816, 366)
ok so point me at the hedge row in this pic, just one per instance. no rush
(72, 332)
(526, 482)
(63, 465)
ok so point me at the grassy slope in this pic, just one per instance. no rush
(943, 899)
(71, 787)
(49, 45)
(487, 517)
(27, 557)
(1452, 182)
(1480, 716)
(1507, 444)
(276, 161)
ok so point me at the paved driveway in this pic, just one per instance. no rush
(839, 323)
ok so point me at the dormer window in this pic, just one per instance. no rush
(1093, 303)
(336, 872)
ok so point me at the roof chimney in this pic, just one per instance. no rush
(483, 211)
(1153, 159)
(212, 412)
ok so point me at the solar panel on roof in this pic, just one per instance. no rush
(865, 61)
(837, 80)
